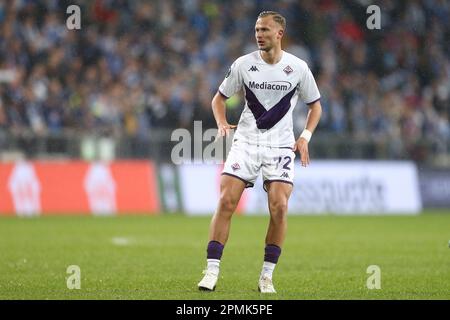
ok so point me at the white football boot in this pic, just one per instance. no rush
(208, 283)
(265, 285)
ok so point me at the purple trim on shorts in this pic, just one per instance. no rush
(313, 101)
(220, 92)
(214, 250)
(275, 180)
(247, 183)
(271, 253)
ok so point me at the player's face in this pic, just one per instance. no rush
(268, 33)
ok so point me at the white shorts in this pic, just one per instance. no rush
(245, 161)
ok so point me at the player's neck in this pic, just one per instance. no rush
(273, 56)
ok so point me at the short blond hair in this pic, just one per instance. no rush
(277, 17)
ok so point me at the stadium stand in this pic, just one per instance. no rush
(137, 69)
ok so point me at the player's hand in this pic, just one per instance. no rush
(302, 146)
(223, 129)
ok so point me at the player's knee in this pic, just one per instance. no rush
(278, 209)
(227, 204)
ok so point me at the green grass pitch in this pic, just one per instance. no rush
(161, 257)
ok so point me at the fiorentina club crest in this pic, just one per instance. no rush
(288, 70)
(235, 166)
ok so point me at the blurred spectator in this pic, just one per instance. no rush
(135, 65)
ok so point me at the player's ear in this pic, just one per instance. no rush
(280, 33)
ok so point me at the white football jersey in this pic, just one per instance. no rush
(271, 94)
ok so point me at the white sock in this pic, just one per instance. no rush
(213, 265)
(267, 269)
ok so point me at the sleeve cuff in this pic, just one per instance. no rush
(309, 103)
(222, 94)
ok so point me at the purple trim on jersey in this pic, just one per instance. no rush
(221, 93)
(247, 183)
(313, 101)
(266, 119)
(253, 103)
(276, 180)
(276, 113)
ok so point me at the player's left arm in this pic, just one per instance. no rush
(312, 120)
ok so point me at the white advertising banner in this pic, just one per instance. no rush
(349, 187)
(199, 185)
(339, 187)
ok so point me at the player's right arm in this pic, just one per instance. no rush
(219, 110)
(230, 85)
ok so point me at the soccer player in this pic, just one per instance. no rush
(272, 80)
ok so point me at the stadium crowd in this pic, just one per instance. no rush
(138, 65)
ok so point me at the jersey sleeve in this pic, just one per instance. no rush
(232, 82)
(309, 92)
